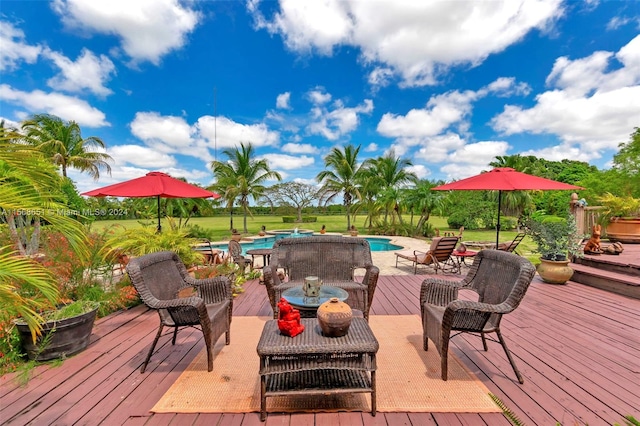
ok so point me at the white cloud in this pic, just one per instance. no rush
(172, 131)
(339, 121)
(222, 132)
(372, 147)
(479, 153)
(318, 96)
(282, 101)
(441, 112)
(562, 152)
(148, 29)
(63, 106)
(87, 72)
(417, 40)
(584, 91)
(14, 47)
(141, 156)
(419, 170)
(300, 148)
(507, 86)
(288, 162)
(433, 149)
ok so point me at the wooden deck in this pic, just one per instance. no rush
(577, 347)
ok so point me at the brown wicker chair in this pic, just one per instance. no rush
(162, 280)
(499, 278)
(333, 259)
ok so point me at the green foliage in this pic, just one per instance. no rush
(70, 310)
(197, 231)
(615, 206)
(513, 418)
(555, 237)
(140, 241)
(309, 219)
(288, 219)
(629, 421)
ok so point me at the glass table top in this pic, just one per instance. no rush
(296, 298)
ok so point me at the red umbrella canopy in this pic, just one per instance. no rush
(504, 179)
(153, 184)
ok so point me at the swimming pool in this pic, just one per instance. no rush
(376, 243)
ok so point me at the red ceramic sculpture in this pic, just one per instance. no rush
(289, 319)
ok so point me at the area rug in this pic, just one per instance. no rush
(408, 378)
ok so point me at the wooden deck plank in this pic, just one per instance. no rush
(563, 338)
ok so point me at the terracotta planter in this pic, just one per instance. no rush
(555, 271)
(236, 237)
(68, 336)
(624, 230)
(334, 317)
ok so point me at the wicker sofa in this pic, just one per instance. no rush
(336, 260)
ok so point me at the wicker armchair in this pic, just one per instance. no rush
(163, 283)
(333, 259)
(499, 278)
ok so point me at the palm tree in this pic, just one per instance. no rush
(424, 201)
(242, 176)
(343, 175)
(390, 174)
(63, 143)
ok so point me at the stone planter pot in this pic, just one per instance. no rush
(65, 337)
(624, 230)
(555, 271)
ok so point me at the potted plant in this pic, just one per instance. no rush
(557, 240)
(620, 217)
(64, 331)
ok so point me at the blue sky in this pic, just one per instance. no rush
(449, 85)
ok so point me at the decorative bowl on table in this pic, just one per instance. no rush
(334, 317)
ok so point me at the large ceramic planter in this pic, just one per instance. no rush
(555, 271)
(64, 337)
(624, 230)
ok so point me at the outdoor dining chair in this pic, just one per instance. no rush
(235, 255)
(500, 280)
(163, 283)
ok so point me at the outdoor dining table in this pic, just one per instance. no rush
(308, 306)
(264, 252)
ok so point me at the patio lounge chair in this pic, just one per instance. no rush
(164, 285)
(499, 278)
(438, 257)
(333, 259)
(510, 246)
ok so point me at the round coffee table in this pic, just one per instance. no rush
(309, 305)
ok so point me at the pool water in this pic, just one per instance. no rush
(376, 244)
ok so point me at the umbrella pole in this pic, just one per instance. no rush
(159, 226)
(498, 225)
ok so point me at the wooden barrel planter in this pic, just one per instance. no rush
(61, 338)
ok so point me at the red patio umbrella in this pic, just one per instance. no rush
(504, 179)
(153, 184)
